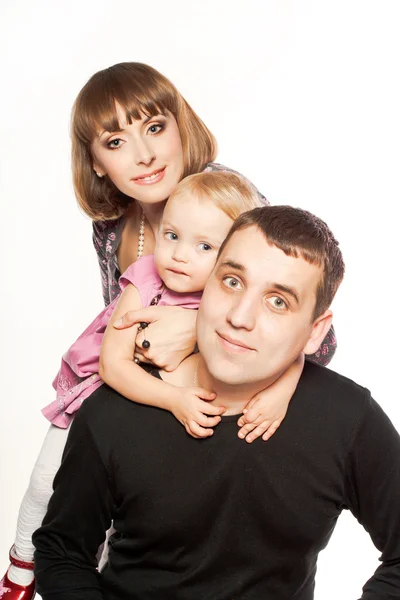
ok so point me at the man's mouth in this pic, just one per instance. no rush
(233, 345)
(149, 178)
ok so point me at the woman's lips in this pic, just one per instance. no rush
(153, 177)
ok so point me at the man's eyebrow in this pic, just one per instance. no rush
(232, 265)
(288, 290)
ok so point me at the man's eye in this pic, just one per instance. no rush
(277, 302)
(231, 282)
(205, 247)
(170, 235)
(116, 143)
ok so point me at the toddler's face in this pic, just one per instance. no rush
(191, 233)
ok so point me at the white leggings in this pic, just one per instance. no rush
(37, 496)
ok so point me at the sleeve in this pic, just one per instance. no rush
(326, 351)
(78, 515)
(99, 236)
(373, 496)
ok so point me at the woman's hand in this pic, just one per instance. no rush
(171, 333)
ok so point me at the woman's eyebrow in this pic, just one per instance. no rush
(122, 129)
(105, 131)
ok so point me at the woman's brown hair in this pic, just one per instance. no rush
(139, 90)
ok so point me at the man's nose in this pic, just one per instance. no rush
(243, 312)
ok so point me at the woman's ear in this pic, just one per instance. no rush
(321, 326)
(98, 171)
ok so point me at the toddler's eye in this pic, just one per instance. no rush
(205, 247)
(170, 235)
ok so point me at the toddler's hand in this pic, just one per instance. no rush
(266, 411)
(193, 410)
(261, 417)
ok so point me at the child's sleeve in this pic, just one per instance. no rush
(324, 354)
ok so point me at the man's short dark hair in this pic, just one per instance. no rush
(297, 233)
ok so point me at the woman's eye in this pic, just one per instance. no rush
(231, 282)
(170, 235)
(116, 143)
(277, 302)
(155, 128)
(205, 247)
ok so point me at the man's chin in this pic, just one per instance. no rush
(229, 374)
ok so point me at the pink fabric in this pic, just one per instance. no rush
(78, 376)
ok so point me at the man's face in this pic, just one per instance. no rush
(255, 316)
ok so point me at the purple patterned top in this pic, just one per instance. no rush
(107, 237)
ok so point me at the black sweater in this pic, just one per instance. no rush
(219, 519)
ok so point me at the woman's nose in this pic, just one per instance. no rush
(144, 153)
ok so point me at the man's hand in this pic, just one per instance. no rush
(171, 333)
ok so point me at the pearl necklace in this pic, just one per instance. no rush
(141, 235)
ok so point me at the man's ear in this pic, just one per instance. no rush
(321, 326)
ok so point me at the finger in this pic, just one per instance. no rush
(205, 421)
(250, 404)
(210, 409)
(193, 435)
(272, 429)
(245, 419)
(141, 358)
(147, 315)
(257, 432)
(139, 340)
(171, 366)
(246, 429)
(204, 394)
(253, 414)
(196, 431)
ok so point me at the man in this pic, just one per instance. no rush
(216, 518)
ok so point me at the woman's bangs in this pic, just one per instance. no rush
(98, 108)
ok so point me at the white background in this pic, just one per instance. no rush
(303, 97)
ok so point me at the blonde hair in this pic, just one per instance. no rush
(139, 90)
(230, 192)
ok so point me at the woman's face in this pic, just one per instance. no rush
(144, 160)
